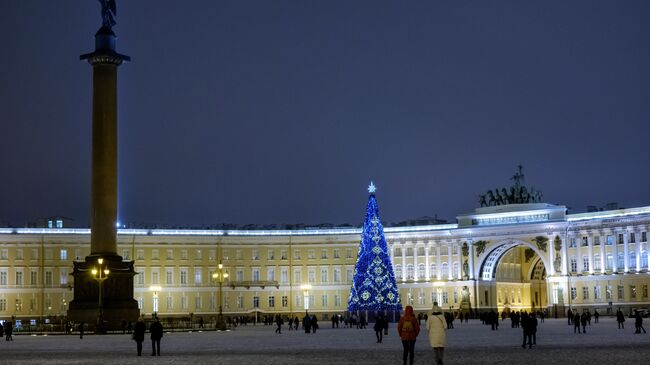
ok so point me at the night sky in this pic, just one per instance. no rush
(284, 111)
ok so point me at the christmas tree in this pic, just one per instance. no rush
(374, 287)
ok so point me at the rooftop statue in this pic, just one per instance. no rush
(518, 193)
(108, 13)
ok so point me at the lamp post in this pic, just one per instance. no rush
(155, 289)
(219, 276)
(100, 274)
(305, 292)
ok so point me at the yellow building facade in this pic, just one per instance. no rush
(520, 256)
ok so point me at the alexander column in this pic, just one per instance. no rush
(103, 283)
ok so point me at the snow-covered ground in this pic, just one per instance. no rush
(471, 343)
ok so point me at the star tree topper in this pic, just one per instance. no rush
(372, 188)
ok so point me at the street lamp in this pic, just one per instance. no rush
(305, 292)
(155, 289)
(219, 276)
(100, 275)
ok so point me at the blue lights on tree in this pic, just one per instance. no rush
(374, 287)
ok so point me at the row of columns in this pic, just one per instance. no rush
(427, 262)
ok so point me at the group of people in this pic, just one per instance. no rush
(156, 330)
(7, 330)
(408, 328)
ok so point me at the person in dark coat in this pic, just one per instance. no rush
(278, 322)
(306, 323)
(314, 323)
(9, 329)
(156, 330)
(583, 322)
(525, 323)
(138, 334)
(638, 322)
(576, 322)
(379, 327)
(620, 318)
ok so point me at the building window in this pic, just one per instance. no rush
(644, 259)
(270, 254)
(296, 254)
(632, 291)
(184, 276)
(455, 271)
(255, 254)
(421, 271)
(271, 301)
(170, 255)
(256, 302)
(445, 297)
(585, 241)
(608, 292)
(337, 275)
(240, 302)
(63, 254)
(3, 305)
(19, 254)
(597, 295)
(409, 251)
(585, 263)
(644, 237)
(621, 292)
(256, 274)
(585, 293)
(574, 293)
(398, 272)
(420, 251)
(610, 240)
(348, 253)
(285, 301)
(298, 300)
(597, 262)
(311, 276)
(323, 254)
(609, 263)
(140, 254)
(409, 272)
(336, 253)
(574, 264)
(169, 277)
(33, 278)
(324, 301)
(270, 274)
(197, 302)
(572, 242)
(125, 255)
(445, 270)
(284, 275)
(239, 274)
(311, 254)
(632, 261)
(632, 237)
(63, 276)
(19, 278)
(238, 254)
(48, 278)
(596, 240)
(170, 302)
(155, 254)
(198, 255)
(337, 300)
(183, 302)
(198, 276)
(324, 275)
(297, 276)
(621, 261)
(620, 238)
(283, 254)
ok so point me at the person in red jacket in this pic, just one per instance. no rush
(408, 329)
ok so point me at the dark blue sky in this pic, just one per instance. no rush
(283, 111)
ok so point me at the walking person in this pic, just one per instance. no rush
(620, 318)
(138, 334)
(9, 329)
(526, 328)
(278, 322)
(596, 315)
(638, 322)
(81, 331)
(379, 327)
(576, 322)
(436, 328)
(408, 329)
(306, 323)
(156, 330)
(583, 321)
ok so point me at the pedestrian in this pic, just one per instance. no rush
(596, 315)
(583, 321)
(576, 322)
(379, 327)
(408, 329)
(124, 326)
(9, 329)
(156, 330)
(2, 330)
(306, 322)
(436, 328)
(526, 328)
(296, 322)
(200, 322)
(533, 328)
(81, 330)
(569, 316)
(638, 322)
(314, 323)
(278, 322)
(620, 318)
(138, 334)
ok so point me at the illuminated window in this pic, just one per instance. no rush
(270, 255)
(283, 254)
(311, 254)
(336, 253)
(585, 293)
(597, 295)
(324, 275)
(323, 254)
(271, 301)
(285, 301)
